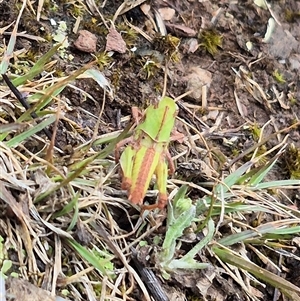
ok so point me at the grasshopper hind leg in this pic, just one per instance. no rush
(126, 163)
(161, 173)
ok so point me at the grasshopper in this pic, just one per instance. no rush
(147, 152)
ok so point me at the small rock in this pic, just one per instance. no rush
(166, 13)
(193, 45)
(115, 42)
(212, 115)
(145, 8)
(282, 43)
(181, 30)
(22, 290)
(294, 60)
(196, 79)
(86, 41)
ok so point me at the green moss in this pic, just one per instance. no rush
(293, 100)
(150, 67)
(31, 55)
(49, 5)
(103, 59)
(48, 36)
(59, 73)
(291, 16)
(255, 131)
(235, 152)
(210, 40)
(20, 67)
(129, 35)
(203, 111)
(260, 152)
(93, 25)
(75, 7)
(194, 298)
(115, 78)
(292, 161)
(278, 77)
(168, 45)
(77, 11)
(157, 87)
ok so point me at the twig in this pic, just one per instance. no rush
(149, 279)
(23, 102)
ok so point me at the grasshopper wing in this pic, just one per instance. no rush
(159, 120)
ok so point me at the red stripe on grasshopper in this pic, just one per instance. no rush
(162, 123)
(142, 173)
(147, 153)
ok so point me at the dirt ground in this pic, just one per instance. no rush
(252, 83)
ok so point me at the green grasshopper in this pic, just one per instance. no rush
(147, 152)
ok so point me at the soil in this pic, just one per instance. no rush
(233, 107)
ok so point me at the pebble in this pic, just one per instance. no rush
(86, 41)
(196, 79)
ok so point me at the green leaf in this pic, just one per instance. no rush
(30, 132)
(176, 225)
(89, 256)
(38, 67)
(287, 288)
(188, 261)
(233, 178)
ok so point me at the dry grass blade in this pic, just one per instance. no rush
(12, 41)
(38, 67)
(39, 9)
(54, 90)
(262, 142)
(118, 252)
(10, 127)
(30, 132)
(27, 36)
(285, 286)
(66, 224)
(2, 30)
(125, 7)
(8, 198)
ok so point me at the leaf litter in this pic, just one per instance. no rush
(66, 225)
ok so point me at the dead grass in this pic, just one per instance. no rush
(68, 228)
